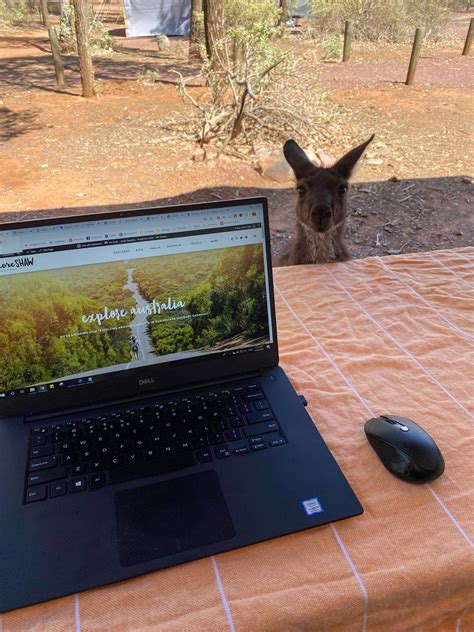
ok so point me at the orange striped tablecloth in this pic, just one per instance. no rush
(360, 338)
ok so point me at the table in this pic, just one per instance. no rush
(360, 338)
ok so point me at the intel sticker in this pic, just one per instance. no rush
(312, 506)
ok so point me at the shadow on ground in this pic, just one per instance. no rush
(26, 73)
(13, 124)
(385, 217)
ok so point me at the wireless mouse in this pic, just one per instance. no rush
(406, 450)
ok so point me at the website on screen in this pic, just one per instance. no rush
(81, 300)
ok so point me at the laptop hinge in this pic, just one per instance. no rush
(140, 398)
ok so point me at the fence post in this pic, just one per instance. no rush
(467, 43)
(346, 55)
(57, 59)
(415, 52)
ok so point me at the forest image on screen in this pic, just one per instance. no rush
(69, 322)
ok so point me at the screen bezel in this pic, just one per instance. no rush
(180, 373)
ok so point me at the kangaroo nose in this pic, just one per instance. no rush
(322, 211)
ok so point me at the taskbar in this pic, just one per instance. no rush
(87, 380)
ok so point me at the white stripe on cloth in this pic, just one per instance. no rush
(402, 349)
(458, 622)
(223, 597)
(318, 344)
(448, 269)
(462, 333)
(452, 518)
(367, 407)
(357, 576)
(463, 257)
(77, 615)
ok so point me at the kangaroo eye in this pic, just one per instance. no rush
(301, 190)
(342, 190)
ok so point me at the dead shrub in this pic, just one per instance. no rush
(380, 20)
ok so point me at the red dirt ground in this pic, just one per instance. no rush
(60, 152)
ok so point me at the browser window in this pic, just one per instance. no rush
(80, 300)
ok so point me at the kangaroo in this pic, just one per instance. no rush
(321, 207)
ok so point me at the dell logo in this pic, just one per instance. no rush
(147, 380)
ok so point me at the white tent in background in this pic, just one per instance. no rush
(172, 17)
(155, 17)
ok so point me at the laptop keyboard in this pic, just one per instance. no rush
(87, 453)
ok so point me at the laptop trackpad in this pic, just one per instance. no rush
(175, 515)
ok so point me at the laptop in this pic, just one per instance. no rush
(144, 419)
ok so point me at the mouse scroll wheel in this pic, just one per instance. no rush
(394, 422)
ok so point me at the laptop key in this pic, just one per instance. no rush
(200, 442)
(150, 468)
(57, 489)
(216, 438)
(246, 408)
(261, 415)
(98, 464)
(277, 442)
(238, 421)
(80, 468)
(254, 440)
(117, 461)
(45, 476)
(251, 397)
(43, 463)
(97, 480)
(259, 446)
(67, 459)
(261, 404)
(222, 452)
(42, 450)
(263, 428)
(233, 435)
(204, 456)
(38, 440)
(242, 450)
(35, 493)
(78, 484)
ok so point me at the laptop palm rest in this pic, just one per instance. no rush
(172, 516)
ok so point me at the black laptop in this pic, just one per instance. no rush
(144, 420)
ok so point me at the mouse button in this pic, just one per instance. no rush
(399, 422)
(395, 418)
(389, 419)
(399, 465)
(377, 427)
(392, 458)
(426, 455)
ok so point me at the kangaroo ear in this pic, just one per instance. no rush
(298, 160)
(345, 165)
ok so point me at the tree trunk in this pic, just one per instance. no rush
(83, 48)
(64, 21)
(195, 29)
(285, 12)
(214, 31)
(44, 12)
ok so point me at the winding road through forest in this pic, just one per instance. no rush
(139, 324)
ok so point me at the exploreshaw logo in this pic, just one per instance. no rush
(19, 262)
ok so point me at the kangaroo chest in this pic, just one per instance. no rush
(318, 247)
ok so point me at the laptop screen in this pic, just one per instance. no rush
(84, 299)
